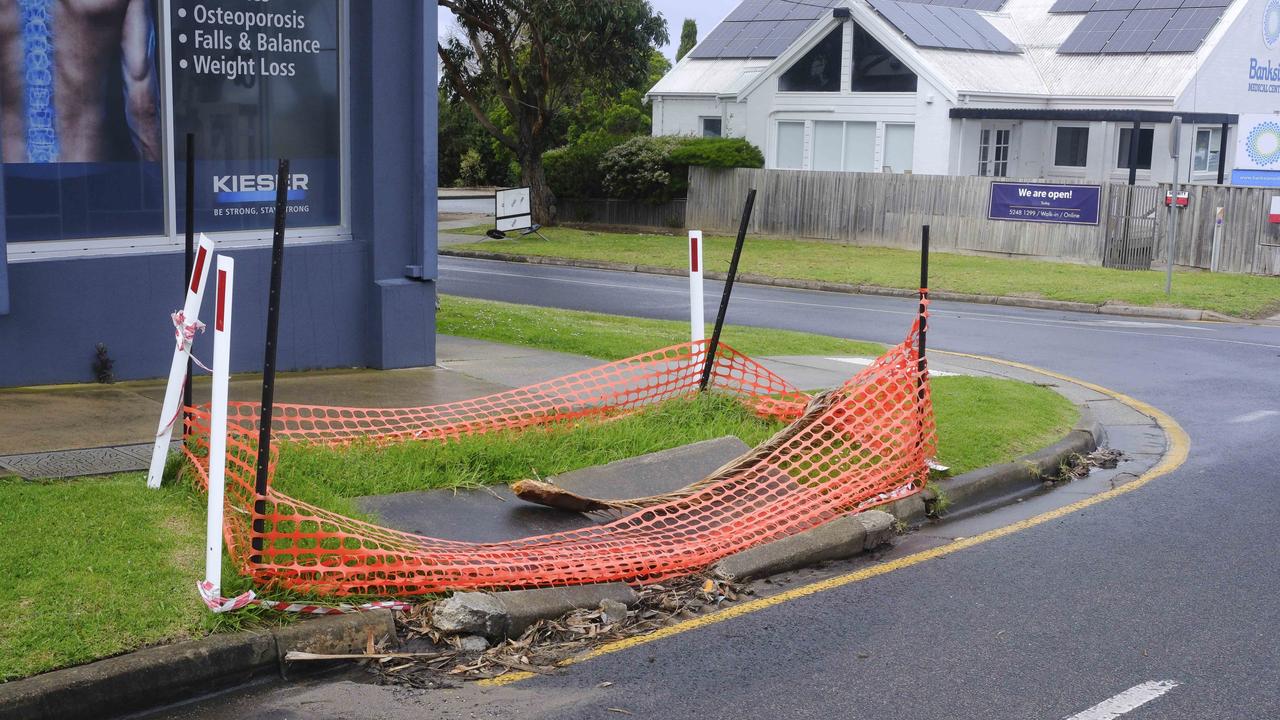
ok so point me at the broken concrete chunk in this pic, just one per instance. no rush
(473, 643)
(879, 526)
(612, 611)
(471, 613)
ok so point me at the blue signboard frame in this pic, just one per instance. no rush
(1255, 178)
(1044, 203)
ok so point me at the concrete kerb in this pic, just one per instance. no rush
(1108, 308)
(158, 676)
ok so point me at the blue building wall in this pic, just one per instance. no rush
(367, 302)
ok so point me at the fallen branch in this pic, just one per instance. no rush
(296, 655)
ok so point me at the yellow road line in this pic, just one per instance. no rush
(1175, 456)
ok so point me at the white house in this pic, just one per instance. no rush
(1054, 89)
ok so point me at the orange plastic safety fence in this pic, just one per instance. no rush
(869, 446)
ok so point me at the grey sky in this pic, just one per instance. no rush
(708, 13)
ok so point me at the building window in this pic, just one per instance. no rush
(1146, 138)
(1072, 147)
(875, 69)
(790, 155)
(993, 152)
(899, 147)
(711, 127)
(818, 70)
(1208, 147)
(844, 146)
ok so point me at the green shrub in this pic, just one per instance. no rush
(471, 170)
(640, 169)
(717, 153)
(656, 169)
(574, 171)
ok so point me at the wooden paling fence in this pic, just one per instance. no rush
(888, 210)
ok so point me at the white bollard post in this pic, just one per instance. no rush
(218, 421)
(171, 410)
(697, 325)
(1219, 218)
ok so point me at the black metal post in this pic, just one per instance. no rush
(1134, 141)
(728, 289)
(269, 361)
(1222, 154)
(191, 258)
(922, 365)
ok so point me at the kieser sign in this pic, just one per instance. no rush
(1264, 74)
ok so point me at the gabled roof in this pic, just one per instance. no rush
(1039, 69)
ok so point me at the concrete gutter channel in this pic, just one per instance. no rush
(155, 677)
(1185, 314)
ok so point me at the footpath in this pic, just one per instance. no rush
(56, 432)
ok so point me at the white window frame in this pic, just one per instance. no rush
(1113, 152)
(1214, 147)
(702, 125)
(174, 238)
(882, 142)
(781, 117)
(1053, 152)
(876, 154)
(993, 129)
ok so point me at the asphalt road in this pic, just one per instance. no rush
(1178, 581)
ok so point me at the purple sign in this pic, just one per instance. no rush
(1035, 202)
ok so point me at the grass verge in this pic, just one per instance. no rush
(1237, 295)
(93, 568)
(613, 337)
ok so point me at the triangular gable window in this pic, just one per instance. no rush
(818, 70)
(875, 69)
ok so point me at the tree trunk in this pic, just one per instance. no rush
(541, 200)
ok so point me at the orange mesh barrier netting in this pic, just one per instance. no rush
(866, 444)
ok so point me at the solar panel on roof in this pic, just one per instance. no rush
(762, 28)
(939, 26)
(1072, 6)
(1143, 26)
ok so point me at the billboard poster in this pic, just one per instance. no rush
(1257, 151)
(1037, 202)
(80, 123)
(256, 81)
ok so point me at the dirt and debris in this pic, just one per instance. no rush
(426, 659)
(1103, 458)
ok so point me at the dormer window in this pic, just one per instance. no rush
(819, 69)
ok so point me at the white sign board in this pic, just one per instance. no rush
(1274, 215)
(513, 211)
(1257, 151)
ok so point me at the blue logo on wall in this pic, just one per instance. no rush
(1263, 143)
(1271, 23)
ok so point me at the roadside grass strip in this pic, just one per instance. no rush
(1245, 296)
(613, 337)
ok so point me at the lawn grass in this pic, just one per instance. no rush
(1238, 295)
(985, 421)
(613, 337)
(332, 477)
(981, 421)
(93, 568)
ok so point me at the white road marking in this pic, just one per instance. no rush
(1254, 416)
(1130, 699)
(864, 362)
(987, 317)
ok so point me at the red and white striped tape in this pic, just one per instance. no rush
(218, 604)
